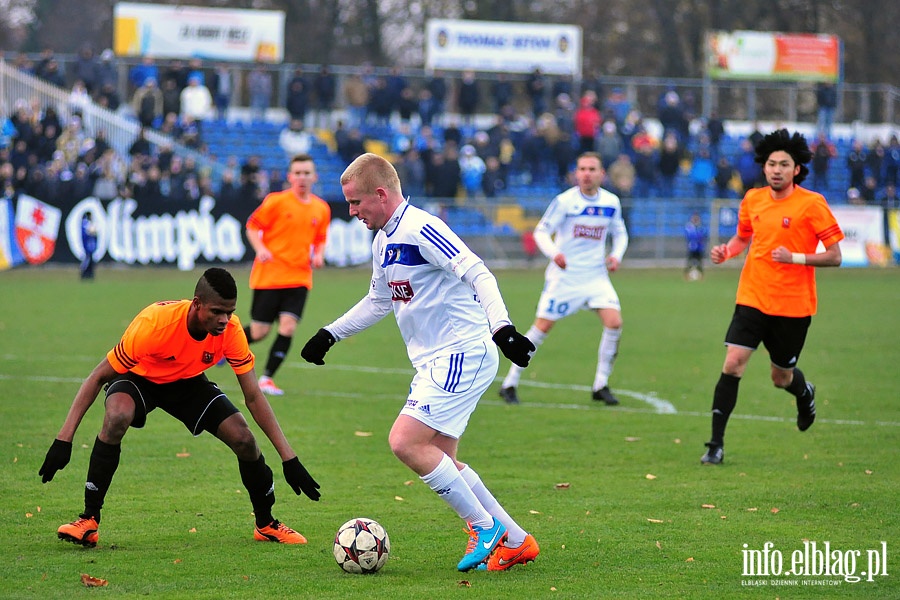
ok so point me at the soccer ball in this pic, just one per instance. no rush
(361, 546)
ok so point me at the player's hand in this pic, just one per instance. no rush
(299, 479)
(719, 254)
(318, 345)
(560, 260)
(612, 264)
(515, 346)
(57, 458)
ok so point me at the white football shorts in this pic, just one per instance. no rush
(562, 297)
(446, 390)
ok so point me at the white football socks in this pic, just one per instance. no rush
(447, 483)
(515, 534)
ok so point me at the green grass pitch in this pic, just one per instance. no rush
(616, 497)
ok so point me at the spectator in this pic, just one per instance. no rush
(621, 176)
(108, 97)
(356, 98)
(724, 175)
(875, 161)
(52, 74)
(715, 129)
(140, 73)
(695, 235)
(668, 165)
(221, 86)
(79, 99)
(502, 92)
(703, 171)
(407, 104)
(891, 165)
(259, 88)
(426, 108)
(746, 166)
(411, 171)
(671, 116)
(107, 70)
(587, 123)
(196, 101)
(444, 174)
(294, 139)
(618, 105)
(467, 97)
(297, 100)
(140, 146)
(86, 68)
(171, 96)
(854, 197)
(826, 99)
(380, 103)
(147, 103)
(437, 85)
(471, 168)
(493, 183)
(536, 88)
(645, 172)
(823, 151)
(609, 144)
(869, 190)
(352, 146)
(888, 199)
(38, 69)
(856, 164)
(325, 88)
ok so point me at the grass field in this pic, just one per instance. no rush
(638, 517)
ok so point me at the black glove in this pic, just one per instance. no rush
(299, 479)
(57, 458)
(315, 349)
(515, 346)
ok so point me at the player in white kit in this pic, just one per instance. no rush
(572, 234)
(452, 318)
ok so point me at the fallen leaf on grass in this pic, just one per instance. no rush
(192, 530)
(182, 454)
(723, 517)
(656, 520)
(409, 482)
(28, 515)
(658, 545)
(775, 511)
(690, 559)
(869, 472)
(562, 486)
(707, 506)
(176, 561)
(632, 439)
(677, 440)
(552, 588)
(753, 509)
(398, 498)
(362, 433)
(650, 476)
(464, 583)
(38, 508)
(534, 512)
(246, 577)
(15, 459)
(89, 581)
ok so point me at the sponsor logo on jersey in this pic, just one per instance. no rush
(401, 291)
(207, 358)
(786, 222)
(594, 232)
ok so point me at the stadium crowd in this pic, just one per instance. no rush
(429, 129)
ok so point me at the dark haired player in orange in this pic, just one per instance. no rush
(776, 295)
(159, 363)
(288, 232)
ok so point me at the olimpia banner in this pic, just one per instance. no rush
(163, 232)
(503, 47)
(758, 55)
(177, 31)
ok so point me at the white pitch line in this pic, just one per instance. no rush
(656, 405)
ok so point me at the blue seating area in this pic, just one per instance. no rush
(646, 217)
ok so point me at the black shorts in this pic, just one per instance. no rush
(197, 402)
(783, 337)
(268, 305)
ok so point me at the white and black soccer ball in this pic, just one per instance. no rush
(361, 546)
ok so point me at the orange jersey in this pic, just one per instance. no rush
(798, 222)
(157, 345)
(289, 228)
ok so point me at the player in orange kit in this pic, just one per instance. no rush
(160, 363)
(776, 295)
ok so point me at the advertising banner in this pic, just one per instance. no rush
(757, 55)
(503, 47)
(177, 31)
(163, 232)
(863, 243)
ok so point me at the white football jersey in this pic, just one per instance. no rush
(417, 262)
(579, 227)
